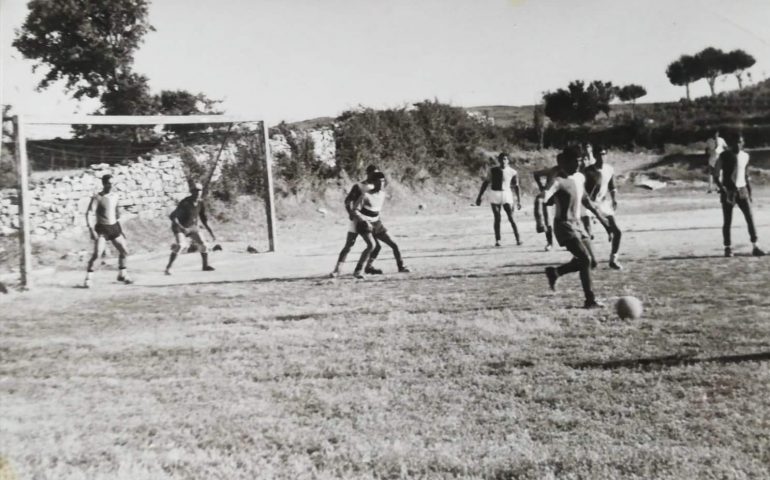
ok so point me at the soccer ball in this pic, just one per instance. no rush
(628, 308)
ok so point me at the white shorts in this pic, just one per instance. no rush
(605, 206)
(499, 197)
(713, 160)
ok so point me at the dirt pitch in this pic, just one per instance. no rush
(469, 367)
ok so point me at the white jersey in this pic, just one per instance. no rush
(500, 185)
(739, 174)
(371, 203)
(715, 147)
(106, 208)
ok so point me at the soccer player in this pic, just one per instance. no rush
(543, 224)
(714, 147)
(735, 189)
(184, 223)
(363, 204)
(502, 178)
(380, 233)
(567, 193)
(107, 229)
(600, 180)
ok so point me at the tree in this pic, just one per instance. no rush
(684, 71)
(737, 62)
(89, 44)
(182, 102)
(578, 104)
(711, 62)
(629, 93)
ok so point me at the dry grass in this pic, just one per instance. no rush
(467, 368)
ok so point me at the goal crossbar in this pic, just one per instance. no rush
(21, 121)
(134, 119)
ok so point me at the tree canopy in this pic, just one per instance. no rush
(89, 44)
(737, 62)
(579, 103)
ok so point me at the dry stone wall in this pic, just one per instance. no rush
(148, 188)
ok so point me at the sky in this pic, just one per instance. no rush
(299, 59)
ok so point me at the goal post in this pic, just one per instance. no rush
(21, 122)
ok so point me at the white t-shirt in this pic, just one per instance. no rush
(739, 175)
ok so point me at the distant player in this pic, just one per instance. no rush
(380, 233)
(543, 224)
(501, 179)
(714, 148)
(363, 204)
(731, 177)
(587, 160)
(600, 181)
(107, 229)
(567, 193)
(184, 223)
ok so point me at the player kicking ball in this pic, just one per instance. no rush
(567, 193)
(107, 229)
(501, 179)
(600, 181)
(184, 223)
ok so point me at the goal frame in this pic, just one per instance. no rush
(22, 162)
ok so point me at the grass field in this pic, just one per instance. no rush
(469, 367)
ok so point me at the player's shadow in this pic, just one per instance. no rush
(697, 257)
(650, 363)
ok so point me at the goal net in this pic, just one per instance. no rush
(54, 166)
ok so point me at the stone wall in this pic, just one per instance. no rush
(148, 188)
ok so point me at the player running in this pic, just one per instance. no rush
(567, 193)
(502, 178)
(107, 229)
(600, 180)
(363, 204)
(714, 147)
(542, 221)
(735, 189)
(184, 223)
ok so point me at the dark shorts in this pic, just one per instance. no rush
(731, 197)
(378, 228)
(190, 230)
(109, 232)
(564, 231)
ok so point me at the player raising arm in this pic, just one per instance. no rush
(567, 193)
(184, 223)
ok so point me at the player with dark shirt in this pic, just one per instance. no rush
(542, 221)
(501, 179)
(731, 177)
(567, 192)
(184, 223)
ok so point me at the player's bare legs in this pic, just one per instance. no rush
(120, 245)
(369, 239)
(496, 215)
(615, 236)
(581, 262)
(509, 212)
(99, 245)
(385, 238)
(349, 242)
